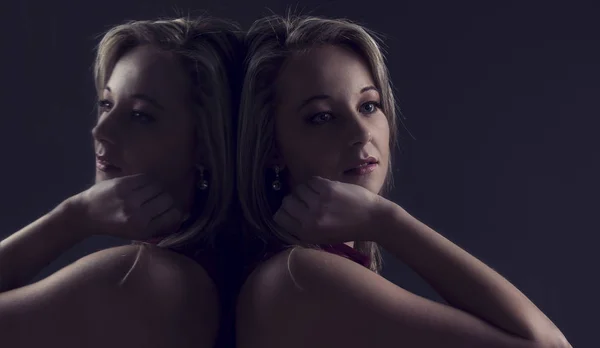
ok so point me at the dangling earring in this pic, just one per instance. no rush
(276, 183)
(202, 183)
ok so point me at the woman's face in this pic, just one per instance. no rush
(328, 120)
(145, 123)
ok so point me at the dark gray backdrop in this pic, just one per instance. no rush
(501, 97)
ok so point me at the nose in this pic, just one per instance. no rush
(360, 131)
(106, 128)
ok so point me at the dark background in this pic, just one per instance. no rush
(501, 98)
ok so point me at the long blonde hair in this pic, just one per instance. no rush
(269, 42)
(210, 50)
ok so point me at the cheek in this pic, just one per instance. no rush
(382, 135)
(306, 155)
(167, 157)
(383, 146)
(294, 154)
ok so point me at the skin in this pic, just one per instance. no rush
(305, 297)
(324, 127)
(154, 134)
(124, 296)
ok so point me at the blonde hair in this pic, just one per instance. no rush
(269, 42)
(210, 50)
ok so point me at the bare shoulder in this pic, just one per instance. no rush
(280, 300)
(304, 297)
(146, 272)
(122, 297)
(303, 271)
(165, 270)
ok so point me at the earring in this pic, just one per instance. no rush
(202, 183)
(276, 183)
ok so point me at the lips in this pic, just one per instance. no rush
(105, 165)
(362, 164)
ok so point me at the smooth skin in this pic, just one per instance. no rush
(128, 296)
(309, 298)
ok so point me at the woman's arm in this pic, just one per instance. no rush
(461, 279)
(310, 298)
(130, 207)
(166, 300)
(26, 252)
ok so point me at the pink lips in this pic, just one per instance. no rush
(104, 165)
(362, 170)
(363, 167)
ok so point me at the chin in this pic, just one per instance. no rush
(99, 178)
(376, 189)
(369, 183)
(103, 176)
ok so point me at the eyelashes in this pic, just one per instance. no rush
(376, 106)
(367, 108)
(105, 105)
(320, 118)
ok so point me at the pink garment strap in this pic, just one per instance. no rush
(346, 251)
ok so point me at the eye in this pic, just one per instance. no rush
(321, 117)
(370, 107)
(104, 105)
(142, 117)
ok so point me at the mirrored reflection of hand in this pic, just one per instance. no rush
(132, 207)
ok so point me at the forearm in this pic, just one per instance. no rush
(26, 252)
(461, 279)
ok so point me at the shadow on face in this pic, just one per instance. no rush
(145, 123)
(329, 121)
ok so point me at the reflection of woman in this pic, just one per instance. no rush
(318, 119)
(162, 142)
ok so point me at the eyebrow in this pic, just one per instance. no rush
(145, 98)
(325, 96)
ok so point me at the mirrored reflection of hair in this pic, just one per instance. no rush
(210, 51)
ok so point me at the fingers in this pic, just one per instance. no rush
(306, 195)
(157, 205)
(291, 214)
(319, 184)
(295, 207)
(145, 193)
(140, 188)
(135, 181)
(162, 214)
(166, 222)
(286, 221)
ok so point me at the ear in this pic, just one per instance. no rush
(198, 143)
(199, 154)
(276, 159)
(199, 158)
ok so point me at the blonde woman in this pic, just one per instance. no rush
(317, 127)
(164, 172)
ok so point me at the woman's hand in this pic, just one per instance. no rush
(327, 212)
(131, 207)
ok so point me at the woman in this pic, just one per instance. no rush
(164, 174)
(318, 122)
